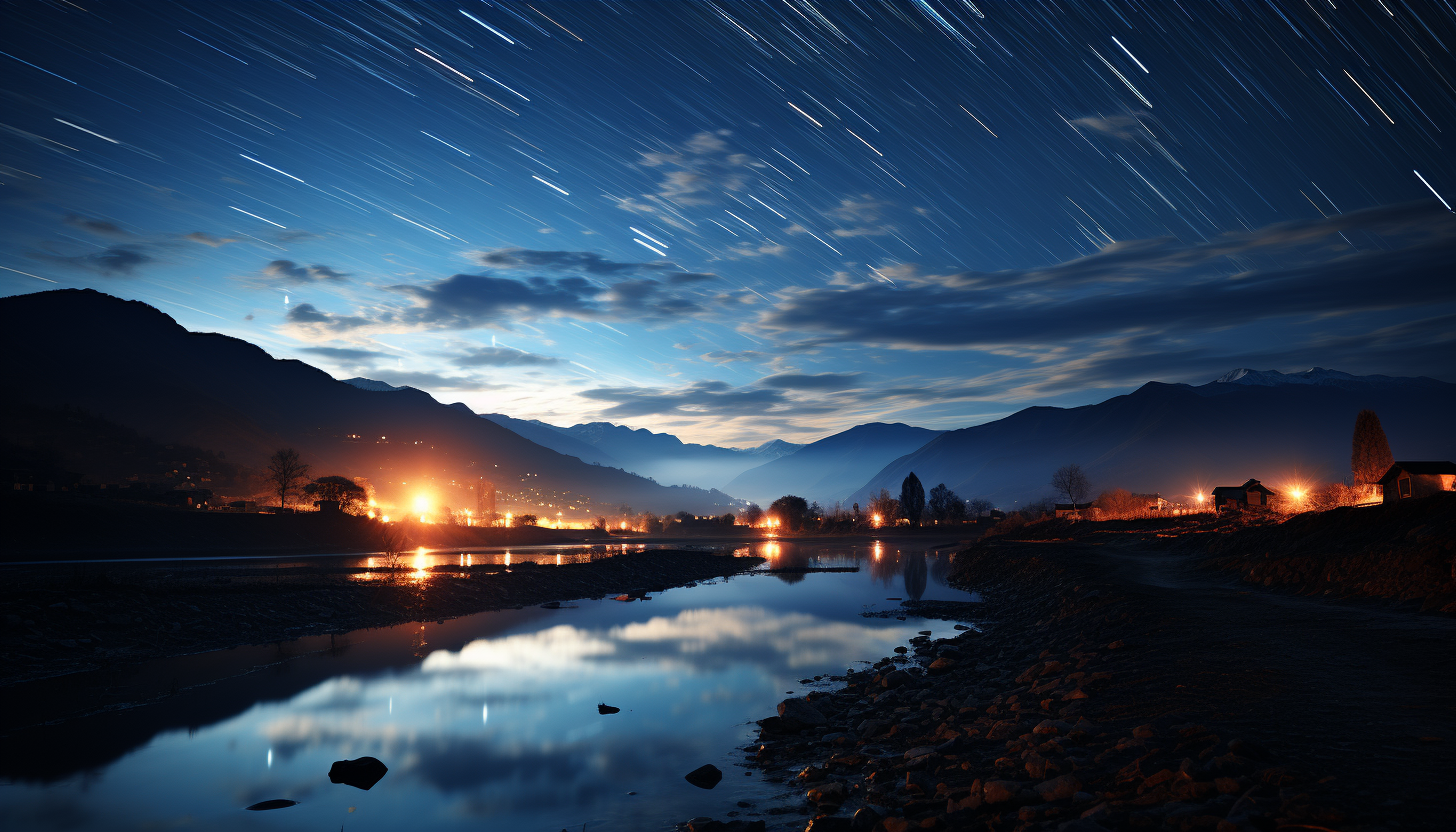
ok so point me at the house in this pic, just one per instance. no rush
(1071, 509)
(1251, 494)
(1417, 479)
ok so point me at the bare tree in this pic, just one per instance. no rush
(285, 471)
(1072, 481)
(1370, 451)
(979, 506)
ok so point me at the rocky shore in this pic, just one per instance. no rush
(60, 620)
(1100, 688)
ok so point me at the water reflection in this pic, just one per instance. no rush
(502, 727)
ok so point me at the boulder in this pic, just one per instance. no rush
(704, 777)
(1000, 791)
(272, 804)
(605, 709)
(1058, 788)
(829, 794)
(362, 773)
(798, 714)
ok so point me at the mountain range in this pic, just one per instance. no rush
(833, 467)
(130, 364)
(1179, 440)
(661, 456)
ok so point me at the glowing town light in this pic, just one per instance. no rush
(877, 520)
(384, 518)
(422, 504)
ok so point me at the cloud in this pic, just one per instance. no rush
(587, 262)
(695, 173)
(466, 301)
(699, 398)
(1287, 270)
(866, 209)
(817, 381)
(502, 357)
(288, 271)
(347, 356)
(209, 239)
(429, 381)
(728, 357)
(115, 261)
(101, 228)
(312, 323)
(296, 235)
(1127, 127)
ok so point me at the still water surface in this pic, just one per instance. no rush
(490, 721)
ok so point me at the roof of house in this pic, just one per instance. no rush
(1251, 485)
(1421, 467)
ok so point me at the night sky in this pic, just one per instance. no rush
(742, 221)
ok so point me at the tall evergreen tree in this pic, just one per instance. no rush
(912, 498)
(1369, 450)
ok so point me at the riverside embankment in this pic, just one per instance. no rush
(1118, 682)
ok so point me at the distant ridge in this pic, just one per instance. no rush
(831, 468)
(370, 384)
(1175, 438)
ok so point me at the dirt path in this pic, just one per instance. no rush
(1359, 691)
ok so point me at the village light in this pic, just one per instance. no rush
(877, 520)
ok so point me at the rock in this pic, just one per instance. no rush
(1000, 791)
(902, 649)
(362, 773)
(551, 605)
(941, 665)
(829, 823)
(919, 752)
(829, 794)
(704, 777)
(604, 709)
(272, 804)
(798, 714)
(1058, 788)
(1144, 732)
(895, 679)
(1052, 727)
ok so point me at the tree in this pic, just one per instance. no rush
(1120, 504)
(912, 498)
(885, 507)
(1071, 481)
(285, 471)
(350, 496)
(1370, 451)
(521, 520)
(815, 514)
(790, 511)
(600, 524)
(751, 515)
(942, 502)
(979, 506)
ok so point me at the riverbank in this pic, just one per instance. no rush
(67, 619)
(63, 526)
(1117, 683)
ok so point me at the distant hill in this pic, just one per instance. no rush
(831, 469)
(661, 456)
(555, 438)
(129, 363)
(1175, 438)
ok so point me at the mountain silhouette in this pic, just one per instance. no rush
(1178, 439)
(831, 468)
(128, 362)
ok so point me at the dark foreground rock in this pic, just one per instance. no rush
(704, 777)
(362, 773)
(271, 804)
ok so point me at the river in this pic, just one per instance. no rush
(485, 721)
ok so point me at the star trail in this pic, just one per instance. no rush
(933, 211)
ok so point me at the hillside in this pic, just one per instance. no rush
(129, 363)
(1177, 439)
(830, 469)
